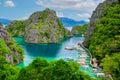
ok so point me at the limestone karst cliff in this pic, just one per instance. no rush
(102, 37)
(41, 27)
(96, 16)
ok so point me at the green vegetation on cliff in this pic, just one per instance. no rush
(111, 65)
(7, 70)
(16, 28)
(44, 27)
(3, 48)
(9, 49)
(106, 37)
(104, 42)
(12, 50)
(82, 29)
(41, 27)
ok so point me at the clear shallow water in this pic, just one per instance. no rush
(49, 51)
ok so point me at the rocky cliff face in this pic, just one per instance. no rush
(96, 16)
(103, 37)
(41, 27)
(8, 48)
(44, 27)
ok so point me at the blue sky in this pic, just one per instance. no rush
(22, 9)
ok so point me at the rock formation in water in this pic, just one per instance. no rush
(96, 16)
(41, 27)
(8, 48)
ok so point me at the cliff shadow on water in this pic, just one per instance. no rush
(43, 50)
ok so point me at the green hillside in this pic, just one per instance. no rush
(82, 29)
(105, 40)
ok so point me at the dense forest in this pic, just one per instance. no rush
(9, 49)
(82, 29)
(40, 69)
(104, 43)
(16, 28)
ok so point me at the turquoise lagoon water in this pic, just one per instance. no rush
(53, 51)
(49, 51)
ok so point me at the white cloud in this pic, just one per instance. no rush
(83, 8)
(84, 16)
(103, 0)
(60, 14)
(25, 17)
(9, 3)
(86, 5)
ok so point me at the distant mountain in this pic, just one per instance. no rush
(67, 22)
(4, 21)
(70, 22)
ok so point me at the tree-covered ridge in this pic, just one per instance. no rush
(16, 28)
(111, 65)
(106, 37)
(56, 70)
(7, 70)
(104, 43)
(82, 29)
(9, 49)
(3, 48)
(40, 69)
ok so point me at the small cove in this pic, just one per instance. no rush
(52, 51)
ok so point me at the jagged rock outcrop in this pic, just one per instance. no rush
(44, 27)
(8, 48)
(41, 27)
(96, 16)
